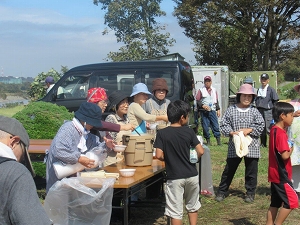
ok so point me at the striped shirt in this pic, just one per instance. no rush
(64, 148)
(234, 120)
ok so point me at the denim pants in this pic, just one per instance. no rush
(251, 170)
(210, 119)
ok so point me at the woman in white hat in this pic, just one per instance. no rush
(136, 113)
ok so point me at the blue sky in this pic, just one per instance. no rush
(37, 35)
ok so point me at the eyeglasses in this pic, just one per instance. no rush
(103, 102)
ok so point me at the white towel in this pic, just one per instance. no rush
(262, 92)
(241, 144)
(82, 143)
(213, 93)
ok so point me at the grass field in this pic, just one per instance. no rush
(9, 112)
(232, 211)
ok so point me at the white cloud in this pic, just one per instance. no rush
(34, 40)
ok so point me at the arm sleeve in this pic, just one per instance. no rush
(282, 144)
(110, 119)
(140, 113)
(107, 126)
(275, 97)
(65, 146)
(195, 140)
(257, 124)
(225, 126)
(198, 96)
(158, 141)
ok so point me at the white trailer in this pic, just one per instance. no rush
(220, 81)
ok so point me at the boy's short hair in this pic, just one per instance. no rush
(281, 108)
(177, 109)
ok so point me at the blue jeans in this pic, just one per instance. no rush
(210, 119)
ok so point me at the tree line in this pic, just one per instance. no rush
(245, 35)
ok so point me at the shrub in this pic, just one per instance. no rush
(42, 119)
(288, 91)
(39, 169)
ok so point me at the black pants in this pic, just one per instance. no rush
(267, 115)
(251, 169)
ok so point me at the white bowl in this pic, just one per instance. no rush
(120, 148)
(127, 172)
(153, 126)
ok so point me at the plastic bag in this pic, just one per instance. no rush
(71, 202)
(98, 153)
(207, 187)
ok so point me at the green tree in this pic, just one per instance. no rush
(38, 89)
(261, 26)
(134, 23)
(290, 63)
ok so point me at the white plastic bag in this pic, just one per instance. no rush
(97, 153)
(71, 202)
(207, 187)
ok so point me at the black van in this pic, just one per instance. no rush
(71, 90)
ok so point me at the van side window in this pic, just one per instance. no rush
(166, 73)
(113, 80)
(73, 87)
(126, 84)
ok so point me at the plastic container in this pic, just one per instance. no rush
(120, 148)
(127, 172)
(62, 170)
(139, 151)
(193, 156)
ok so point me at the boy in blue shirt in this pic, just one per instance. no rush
(173, 145)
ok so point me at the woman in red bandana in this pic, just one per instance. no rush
(99, 97)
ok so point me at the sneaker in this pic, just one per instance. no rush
(220, 197)
(249, 198)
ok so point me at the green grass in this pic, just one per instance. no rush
(232, 211)
(9, 112)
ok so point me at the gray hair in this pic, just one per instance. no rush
(3, 134)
